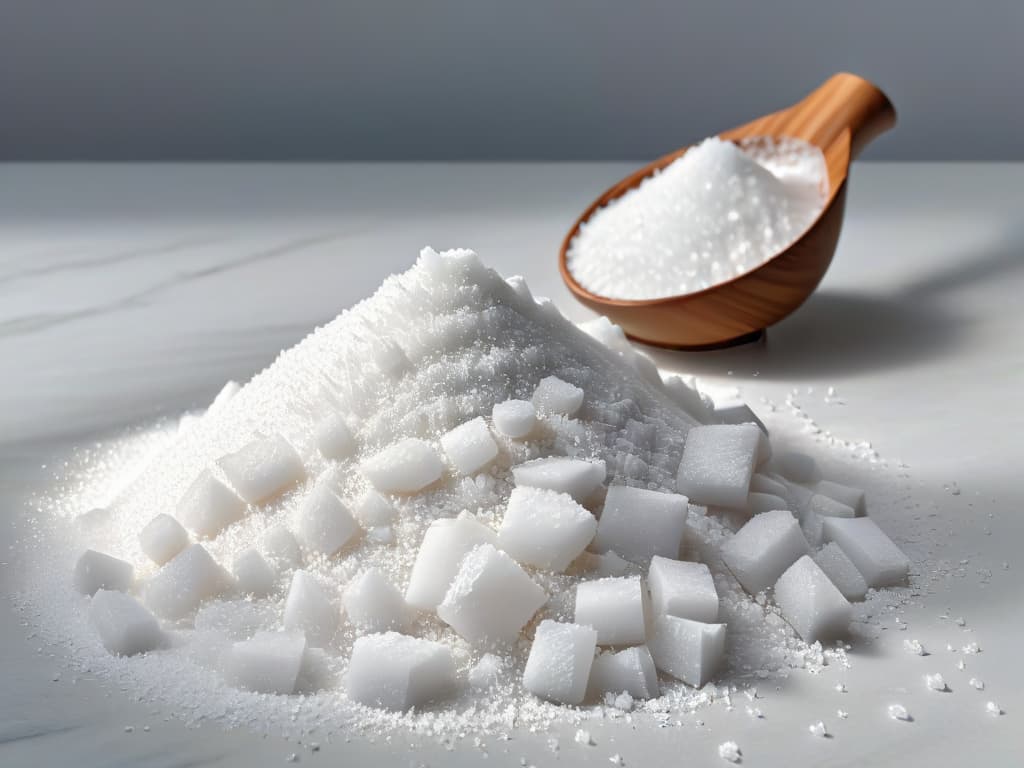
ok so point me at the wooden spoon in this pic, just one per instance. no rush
(840, 118)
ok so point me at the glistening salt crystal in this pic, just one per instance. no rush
(682, 589)
(615, 608)
(124, 626)
(162, 538)
(558, 666)
(544, 528)
(97, 570)
(397, 672)
(209, 506)
(638, 523)
(491, 598)
(715, 213)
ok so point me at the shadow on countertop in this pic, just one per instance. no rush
(847, 333)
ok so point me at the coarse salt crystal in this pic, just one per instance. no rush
(899, 712)
(730, 751)
(818, 729)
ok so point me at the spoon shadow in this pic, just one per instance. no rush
(850, 333)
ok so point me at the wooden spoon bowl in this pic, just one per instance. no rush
(840, 117)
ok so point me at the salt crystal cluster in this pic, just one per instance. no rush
(716, 212)
(451, 491)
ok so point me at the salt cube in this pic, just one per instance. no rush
(610, 564)
(812, 517)
(253, 573)
(124, 626)
(811, 603)
(760, 483)
(614, 607)
(324, 524)
(397, 672)
(718, 461)
(405, 467)
(179, 587)
(96, 570)
(444, 545)
(487, 672)
(690, 651)
(373, 604)
(281, 546)
(309, 609)
(630, 670)
(514, 418)
(878, 559)
(841, 571)
(334, 438)
(683, 589)
(470, 446)
(545, 528)
(795, 466)
(763, 549)
(637, 523)
(829, 507)
(559, 663)
(844, 494)
(162, 538)
(372, 509)
(263, 468)
(491, 597)
(556, 396)
(269, 662)
(764, 502)
(577, 477)
(209, 506)
(733, 411)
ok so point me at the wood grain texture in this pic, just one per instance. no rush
(840, 117)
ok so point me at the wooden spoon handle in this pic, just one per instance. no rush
(844, 101)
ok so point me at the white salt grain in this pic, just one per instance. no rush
(914, 647)
(730, 751)
(553, 395)
(976, 684)
(583, 737)
(993, 709)
(514, 418)
(935, 683)
(713, 214)
(899, 712)
(818, 729)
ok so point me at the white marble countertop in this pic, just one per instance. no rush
(128, 293)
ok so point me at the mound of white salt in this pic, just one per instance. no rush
(716, 212)
(407, 553)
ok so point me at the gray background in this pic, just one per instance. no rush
(450, 80)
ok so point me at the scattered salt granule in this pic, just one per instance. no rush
(899, 712)
(842, 714)
(730, 751)
(818, 729)
(718, 211)
(971, 648)
(976, 684)
(935, 682)
(993, 709)
(616, 759)
(840, 687)
(914, 647)
(583, 737)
